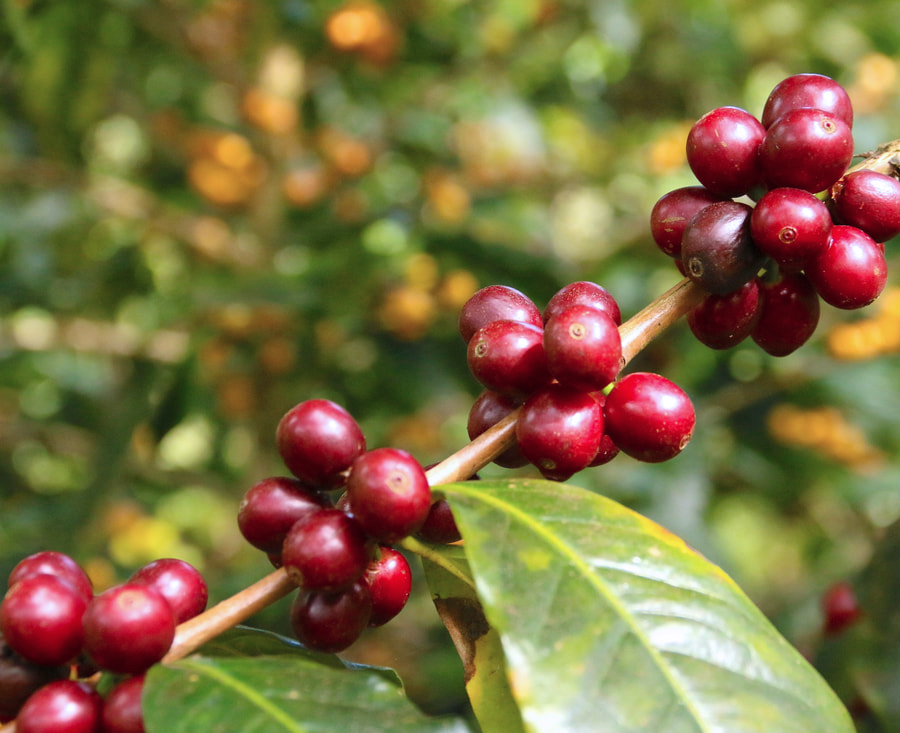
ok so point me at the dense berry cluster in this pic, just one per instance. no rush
(339, 552)
(56, 632)
(767, 266)
(561, 367)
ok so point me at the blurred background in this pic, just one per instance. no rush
(210, 211)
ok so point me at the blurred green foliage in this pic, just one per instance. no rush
(210, 211)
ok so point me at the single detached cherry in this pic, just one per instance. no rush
(390, 583)
(41, 619)
(808, 90)
(63, 706)
(672, 213)
(271, 507)
(51, 562)
(840, 608)
(318, 440)
(440, 525)
(649, 417)
(870, 201)
(508, 357)
(327, 550)
(389, 494)
(791, 226)
(496, 303)
(331, 621)
(128, 628)
(852, 271)
(788, 314)
(179, 582)
(122, 712)
(583, 348)
(19, 678)
(723, 321)
(583, 292)
(722, 149)
(488, 409)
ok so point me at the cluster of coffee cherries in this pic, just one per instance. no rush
(816, 231)
(333, 523)
(560, 367)
(57, 634)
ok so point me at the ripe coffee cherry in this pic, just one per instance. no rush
(128, 628)
(508, 357)
(390, 583)
(318, 440)
(327, 550)
(583, 292)
(791, 226)
(63, 706)
(717, 250)
(179, 582)
(389, 493)
(649, 417)
(840, 608)
(488, 409)
(788, 314)
(41, 619)
(808, 90)
(496, 303)
(722, 321)
(559, 430)
(122, 712)
(722, 151)
(271, 507)
(869, 201)
(607, 450)
(852, 271)
(806, 148)
(440, 526)
(55, 563)
(331, 621)
(19, 678)
(583, 348)
(673, 212)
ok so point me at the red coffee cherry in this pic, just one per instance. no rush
(122, 712)
(583, 292)
(583, 348)
(791, 226)
(440, 525)
(389, 494)
(852, 271)
(722, 149)
(808, 90)
(496, 303)
(41, 619)
(559, 430)
(788, 314)
(723, 321)
(508, 357)
(331, 621)
(271, 507)
(128, 628)
(673, 212)
(390, 583)
(19, 679)
(63, 706)
(607, 450)
(869, 201)
(649, 417)
(327, 550)
(318, 440)
(55, 563)
(840, 608)
(488, 409)
(179, 582)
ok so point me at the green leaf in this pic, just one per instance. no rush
(282, 692)
(611, 623)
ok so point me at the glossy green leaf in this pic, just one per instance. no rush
(611, 623)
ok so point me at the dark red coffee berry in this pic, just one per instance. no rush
(41, 619)
(19, 678)
(806, 148)
(179, 582)
(440, 525)
(122, 712)
(63, 706)
(870, 201)
(327, 550)
(318, 440)
(508, 357)
(559, 430)
(649, 417)
(389, 493)
(673, 212)
(128, 628)
(607, 450)
(583, 292)
(488, 409)
(852, 271)
(722, 321)
(717, 250)
(840, 608)
(53, 563)
(791, 226)
(496, 303)
(331, 621)
(271, 507)
(390, 583)
(788, 314)
(808, 90)
(722, 151)
(583, 348)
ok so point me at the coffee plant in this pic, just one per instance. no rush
(568, 605)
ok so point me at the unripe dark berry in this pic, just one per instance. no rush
(583, 348)
(852, 271)
(583, 292)
(179, 582)
(508, 357)
(19, 678)
(722, 149)
(63, 706)
(271, 507)
(496, 303)
(807, 90)
(788, 314)
(331, 621)
(870, 201)
(673, 212)
(390, 583)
